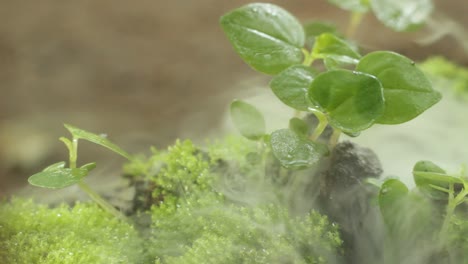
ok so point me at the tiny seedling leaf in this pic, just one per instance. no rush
(89, 166)
(315, 28)
(294, 151)
(248, 120)
(391, 196)
(352, 101)
(402, 15)
(266, 37)
(407, 91)
(330, 46)
(431, 179)
(58, 178)
(97, 139)
(291, 85)
(360, 6)
(299, 126)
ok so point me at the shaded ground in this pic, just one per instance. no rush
(145, 72)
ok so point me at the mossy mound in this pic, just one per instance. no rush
(220, 204)
(32, 233)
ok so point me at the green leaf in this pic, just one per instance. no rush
(431, 179)
(402, 15)
(315, 28)
(89, 166)
(407, 216)
(58, 178)
(267, 37)
(295, 152)
(291, 85)
(392, 195)
(96, 139)
(390, 192)
(407, 91)
(330, 46)
(299, 126)
(55, 166)
(352, 101)
(248, 120)
(360, 6)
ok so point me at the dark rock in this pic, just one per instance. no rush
(347, 200)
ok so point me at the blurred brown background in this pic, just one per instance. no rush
(145, 72)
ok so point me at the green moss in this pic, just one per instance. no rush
(195, 221)
(446, 74)
(192, 218)
(238, 234)
(31, 233)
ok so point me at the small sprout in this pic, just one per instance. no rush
(329, 46)
(315, 28)
(97, 139)
(433, 180)
(56, 176)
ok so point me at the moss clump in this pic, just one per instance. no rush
(237, 234)
(196, 222)
(31, 233)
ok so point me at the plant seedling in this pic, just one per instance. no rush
(350, 94)
(57, 176)
(408, 212)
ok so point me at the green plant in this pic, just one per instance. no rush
(31, 233)
(57, 176)
(426, 217)
(381, 87)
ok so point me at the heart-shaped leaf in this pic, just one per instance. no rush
(352, 101)
(407, 91)
(267, 37)
(330, 46)
(58, 178)
(78, 133)
(402, 15)
(294, 151)
(291, 86)
(248, 120)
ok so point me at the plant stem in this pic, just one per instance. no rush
(322, 124)
(335, 137)
(73, 153)
(308, 58)
(354, 22)
(453, 202)
(101, 202)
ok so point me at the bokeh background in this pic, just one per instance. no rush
(147, 72)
